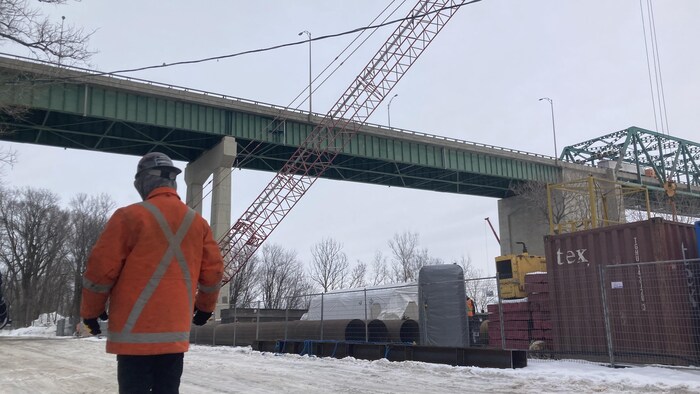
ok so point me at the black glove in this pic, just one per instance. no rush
(93, 326)
(200, 318)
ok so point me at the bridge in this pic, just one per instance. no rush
(82, 109)
(642, 156)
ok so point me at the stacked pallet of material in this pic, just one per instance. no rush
(516, 324)
(537, 288)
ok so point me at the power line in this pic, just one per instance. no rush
(266, 49)
(270, 48)
(646, 49)
(247, 148)
(658, 96)
(317, 86)
(662, 95)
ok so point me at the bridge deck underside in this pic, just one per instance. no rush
(73, 108)
(107, 135)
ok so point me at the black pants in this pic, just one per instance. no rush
(149, 374)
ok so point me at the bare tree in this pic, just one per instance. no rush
(33, 232)
(357, 275)
(281, 278)
(26, 25)
(481, 290)
(7, 158)
(423, 259)
(88, 216)
(404, 248)
(535, 195)
(686, 207)
(408, 258)
(380, 270)
(242, 288)
(569, 206)
(329, 265)
(4, 312)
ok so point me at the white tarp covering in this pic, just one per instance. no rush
(383, 302)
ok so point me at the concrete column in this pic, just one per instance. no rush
(194, 195)
(221, 200)
(217, 162)
(518, 221)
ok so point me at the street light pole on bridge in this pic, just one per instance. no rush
(388, 109)
(554, 132)
(308, 34)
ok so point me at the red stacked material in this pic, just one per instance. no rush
(525, 320)
(537, 287)
(516, 324)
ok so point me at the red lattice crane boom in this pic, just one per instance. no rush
(335, 130)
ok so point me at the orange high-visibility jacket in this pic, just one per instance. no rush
(155, 261)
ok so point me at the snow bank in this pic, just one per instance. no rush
(40, 365)
(43, 326)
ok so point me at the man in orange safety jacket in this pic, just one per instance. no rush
(154, 264)
(470, 307)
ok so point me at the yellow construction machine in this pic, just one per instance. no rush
(512, 269)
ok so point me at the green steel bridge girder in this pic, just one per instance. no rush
(634, 150)
(73, 109)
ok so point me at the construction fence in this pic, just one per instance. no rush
(639, 313)
(403, 313)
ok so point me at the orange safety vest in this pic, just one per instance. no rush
(155, 261)
(470, 308)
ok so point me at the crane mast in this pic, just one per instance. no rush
(317, 152)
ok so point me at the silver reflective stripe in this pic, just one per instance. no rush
(92, 286)
(148, 337)
(173, 250)
(208, 289)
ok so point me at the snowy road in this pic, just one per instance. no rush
(67, 365)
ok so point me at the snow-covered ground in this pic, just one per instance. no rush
(43, 363)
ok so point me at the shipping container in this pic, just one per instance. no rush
(645, 275)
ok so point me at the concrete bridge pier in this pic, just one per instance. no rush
(521, 219)
(217, 162)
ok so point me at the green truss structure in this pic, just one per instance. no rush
(652, 157)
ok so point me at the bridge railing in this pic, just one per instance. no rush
(271, 106)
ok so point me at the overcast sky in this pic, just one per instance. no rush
(480, 80)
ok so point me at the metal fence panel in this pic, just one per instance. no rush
(654, 312)
(386, 314)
